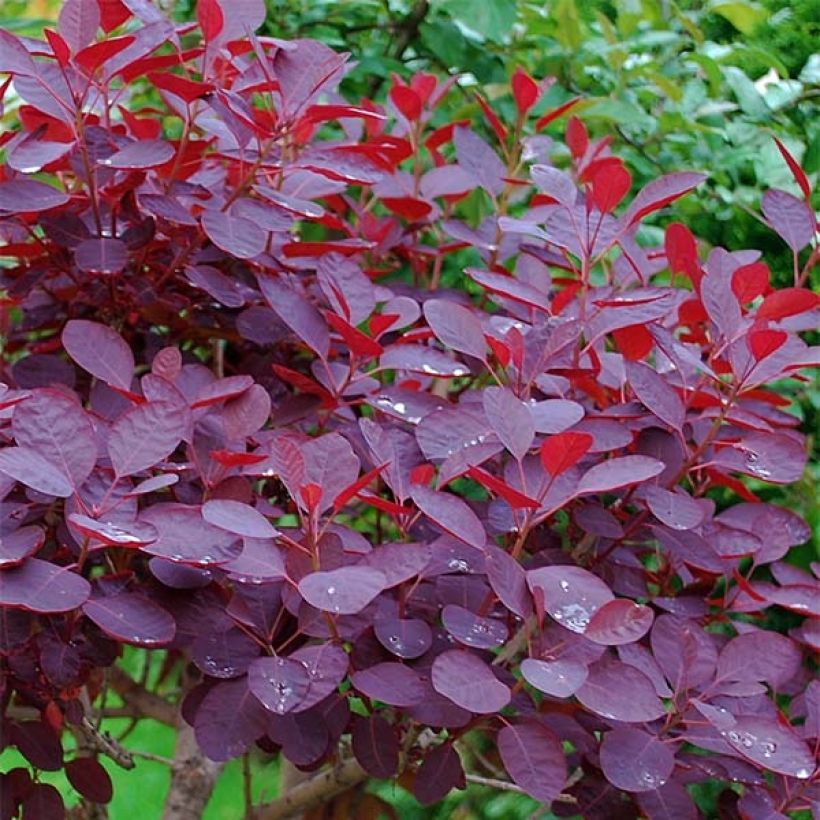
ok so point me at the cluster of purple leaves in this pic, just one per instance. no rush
(243, 423)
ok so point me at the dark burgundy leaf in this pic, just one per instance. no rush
(343, 591)
(26, 465)
(280, 684)
(144, 436)
(326, 666)
(440, 772)
(407, 638)
(635, 761)
(16, 546)
(234, 234)
(239, 518)
(391, 683)
(469, 682)
(297, 313)
(572, 595)
(617, 691)
(28, 195)
(133, 618)
(134, 534)
(451, 514)
(229, 719)
(90, 779)
(38, 743)
(42, 803)
(771, 745)
(618, 622)
(101, 256)
(375, 744)
(619, 472)
(456, 327)
(511, 420)
(40, 586)
(534, 757)
(471, 629)
(99, 350)
(141, 155)
(557, 678)
(655, 394)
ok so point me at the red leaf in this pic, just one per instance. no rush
(635, 342)
(525, 90)
(577, 137)
(113, 13)
(210, 18)
(406, 101)
(787, 302)
(311, 495)
(228, 458)
(187, 90)
(797, 172)
(515, 499)
(550, 116)
(763, 343)
(564, 450)
(681, 248)
(495, 123)
(93, 56)
(750, 281)
(610, 185)
(356, 487)
(59, 46)
(408, 207)
(358, 342)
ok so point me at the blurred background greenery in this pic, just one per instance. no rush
(693, 84)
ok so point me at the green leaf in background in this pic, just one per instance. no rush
(568, 24)
(747, 95)
(744, 15)
(491, 19)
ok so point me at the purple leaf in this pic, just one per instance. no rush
(216, 284)
(326, 665)
(56, 426)
(343, 591)
(471, 629)
(617, 691)
(456, 327)
(479, 160)
(239, 518)
(771, 745)
(40, 586)
(226, 653)
(376, 746)
(675, 509)
(534, 757)
(685, 653)
(280, 684)
(408, 638)
(27, 195)
(133, 534)
(391, 683)
(421, 359)
(555, 183)
(655, 393)
(451, 514)
(99, 350)
(132, 618)
(760, 656)
(438, 775)
(16, 546)
(560, 678)
(297, 313)
(101, 256)
(511, 420)
(635, 761)
(186, 537)
(555, 415)
(618, 472)
(14, 56)
(27, 466)
(509, 581)
(791, 217)
(78, 23)
(619, 622)
(145, 435)
(228, 720)
(140, 155)
(658, 193)
(572, 595)
(235, 235)
(469, 682)
(260, 560)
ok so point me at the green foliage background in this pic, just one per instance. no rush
(693, 84)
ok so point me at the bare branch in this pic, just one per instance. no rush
(314, 792)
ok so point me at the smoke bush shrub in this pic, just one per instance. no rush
(365, 515)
